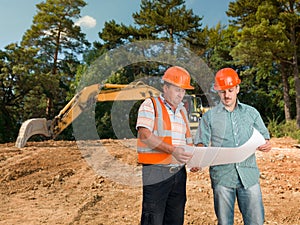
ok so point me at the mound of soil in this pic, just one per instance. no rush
(60, 182)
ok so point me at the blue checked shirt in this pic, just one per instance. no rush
(221, 128)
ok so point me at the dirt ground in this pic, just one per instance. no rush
(56, 182)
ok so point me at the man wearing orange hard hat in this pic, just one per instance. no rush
(230, 124)
(163, 126)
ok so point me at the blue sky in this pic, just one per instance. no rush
(16, 15)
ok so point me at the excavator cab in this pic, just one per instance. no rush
(193, 106)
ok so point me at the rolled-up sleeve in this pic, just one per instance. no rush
(146, 115)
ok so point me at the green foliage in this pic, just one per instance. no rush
(57, 41)
(274, 127)
(284, 129)
(266, 34)
(53, 30)
(260, 99)
(167, 20)
(16, 84)
(8, 131)
(103, 120)
(117, 119)
(220, 41)
(35, 77)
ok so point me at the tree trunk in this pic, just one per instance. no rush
(295, 67)
(286, 88)
(54, 72)
(297, 89)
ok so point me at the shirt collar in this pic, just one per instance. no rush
(179, 107)
(222, 107)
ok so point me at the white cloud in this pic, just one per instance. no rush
(86, 21)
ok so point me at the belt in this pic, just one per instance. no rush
(172, 168)
(175, 169)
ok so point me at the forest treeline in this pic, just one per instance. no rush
(39, 75)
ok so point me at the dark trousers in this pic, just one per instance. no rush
(164, 195)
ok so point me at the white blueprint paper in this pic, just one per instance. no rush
(210, 156)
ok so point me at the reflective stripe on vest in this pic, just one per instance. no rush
(162, 128)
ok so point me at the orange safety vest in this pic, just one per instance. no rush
(162, 129)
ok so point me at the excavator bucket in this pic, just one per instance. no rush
(31, 127)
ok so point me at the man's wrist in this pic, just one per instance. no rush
(171, 149)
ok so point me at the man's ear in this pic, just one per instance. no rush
(164, 88)
(238, 89)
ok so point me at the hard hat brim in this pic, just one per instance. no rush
(186, 87)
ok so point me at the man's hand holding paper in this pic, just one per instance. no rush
(210, 156)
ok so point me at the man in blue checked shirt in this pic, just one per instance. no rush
(230, 124)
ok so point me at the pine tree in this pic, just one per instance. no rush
(267, 32)
(58, 41)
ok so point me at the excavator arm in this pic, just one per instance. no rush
(80, 102)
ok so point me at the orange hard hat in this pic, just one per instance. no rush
(178, 76)
(226, 78)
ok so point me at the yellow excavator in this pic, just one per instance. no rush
(195, 109)
(98, 93)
